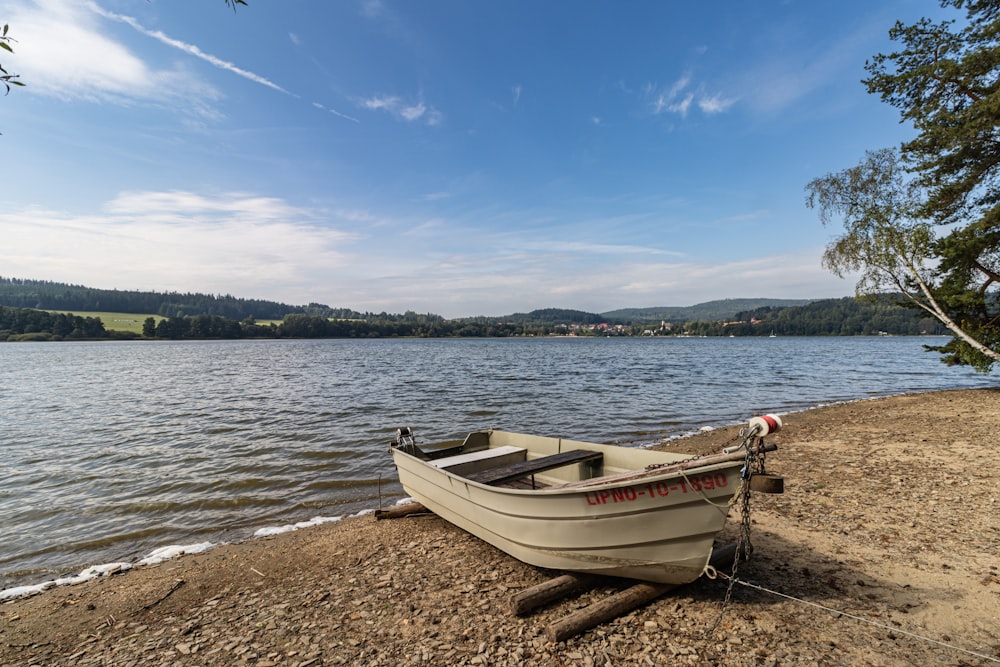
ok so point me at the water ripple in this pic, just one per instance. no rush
(115, 449)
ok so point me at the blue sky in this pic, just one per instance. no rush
(458, 157)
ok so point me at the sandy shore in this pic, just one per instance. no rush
(891, 516)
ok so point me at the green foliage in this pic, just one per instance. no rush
(720, 309)
(6, 78)
(550, 316)
(16, 323)
(884, 239)
(829, 317)
(48, 295)
(838, 317)
(945, 81)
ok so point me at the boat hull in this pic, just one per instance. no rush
(653, 527)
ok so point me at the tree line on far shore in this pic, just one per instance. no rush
(828, 317)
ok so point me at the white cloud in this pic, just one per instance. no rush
(679, 98)
(67, 55)
(714, 104)
(381, 102)
(67, 52)
(784, 77)
(460, 285)
(413, 112)
(233, 242)
(396, 107)
(185, 47)
(265, 247)
(335, 112)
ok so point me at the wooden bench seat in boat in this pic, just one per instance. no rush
(469, 463)
(513, 471)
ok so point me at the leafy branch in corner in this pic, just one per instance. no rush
(7, 78)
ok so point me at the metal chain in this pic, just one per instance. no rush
(753, 464)
(741, 436)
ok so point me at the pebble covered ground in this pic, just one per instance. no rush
(887, 540)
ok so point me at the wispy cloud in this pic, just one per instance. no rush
(714, 104)
(395, 106)
(234, 242)
(794, 70)
(70, 55)
(322, 107)
(680, 96)
(185, 47)
(372, 9)
(265, 247)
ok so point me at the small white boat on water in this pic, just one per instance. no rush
(580, 506)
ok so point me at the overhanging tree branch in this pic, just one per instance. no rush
(945, 80)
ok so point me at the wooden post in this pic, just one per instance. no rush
(554, 589)
(400, 511)
(623, 602)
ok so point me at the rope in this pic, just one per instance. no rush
(861, 619)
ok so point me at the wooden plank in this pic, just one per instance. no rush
(478, 455)
(523, 469)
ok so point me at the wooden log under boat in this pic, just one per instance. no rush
(400, 511)
(549, 591)
(623, 602)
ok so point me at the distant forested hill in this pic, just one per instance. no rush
(722, 309)
(187, 313)
(552, 316)
(827, 317)
(46, 295)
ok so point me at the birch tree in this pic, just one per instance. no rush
(926, 220)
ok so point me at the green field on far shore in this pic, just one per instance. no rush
(130, 322)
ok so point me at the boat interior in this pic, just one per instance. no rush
(505, 465)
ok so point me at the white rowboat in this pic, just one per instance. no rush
(580, 506)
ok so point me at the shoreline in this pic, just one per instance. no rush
(81, 572)
(890, 514)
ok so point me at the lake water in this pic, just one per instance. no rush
(110, 450)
